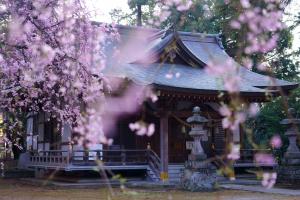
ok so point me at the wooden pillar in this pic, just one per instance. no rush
(164, 147)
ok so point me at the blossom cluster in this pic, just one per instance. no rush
(141, 128)
(227, 71)
(234, 152)
(52, 58)
(269, 179)
(260, 22)
(262, 26)
(165, 9)
(232, 119)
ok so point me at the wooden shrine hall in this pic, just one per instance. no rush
(185, 56)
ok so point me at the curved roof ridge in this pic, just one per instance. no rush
(194, 34)
(198, 48)
(166, 40)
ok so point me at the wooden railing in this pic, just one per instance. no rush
(50, 158)
(109, 157)
(154, 162)
(248, 154)
(89, 157)
(247, 158)
(245, 154)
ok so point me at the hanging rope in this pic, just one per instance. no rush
(180, 120)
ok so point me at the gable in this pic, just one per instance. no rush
(166, 50)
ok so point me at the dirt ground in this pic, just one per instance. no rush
(14, 190)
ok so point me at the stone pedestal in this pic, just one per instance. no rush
(203, 178)
(289, 174)
(198, 174)
(24, 160)
(39, 173)
(292, 155)
(290, 168)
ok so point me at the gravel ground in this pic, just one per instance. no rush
(14, 190)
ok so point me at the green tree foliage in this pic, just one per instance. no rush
(148, 6)
(214, 16)
(13, 127)
(267, 123)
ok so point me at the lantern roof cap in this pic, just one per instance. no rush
(293, 118)
(196, 118)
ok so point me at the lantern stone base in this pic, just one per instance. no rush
(290, 174)
(203, 178)
(196, 158)
(292, 159)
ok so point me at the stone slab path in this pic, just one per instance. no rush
(261, 189)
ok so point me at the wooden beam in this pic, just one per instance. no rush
(164, 147)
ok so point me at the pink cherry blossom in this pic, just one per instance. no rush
(263, 24)
(169, 75)
(234, 152)
(248, 63)
(52, 60)
(235, 24)
(227, 71)
(142, 128)
(180, 5)
(276, 141)
(225, 111)
(262, 66)
(164, 9)
(245, 3)
(253, 109)
(264, 158)
(269, 179)
(231, 119)
(232, 84)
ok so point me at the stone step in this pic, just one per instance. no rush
(176, 166)
(241, 182)
(175, 172)
(17, 173)
(246, 176)
(152, 176)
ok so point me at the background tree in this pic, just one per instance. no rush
(52, 58)
(147, 9)
(217, 16)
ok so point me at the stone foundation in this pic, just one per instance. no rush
(201, 179)
(289, 174)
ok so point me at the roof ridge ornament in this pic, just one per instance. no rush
(196, 117)
(219, 40)
(170, 29)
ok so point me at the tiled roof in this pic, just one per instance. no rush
(201, 48)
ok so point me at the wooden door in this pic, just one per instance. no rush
(52, 134)
(178, 136)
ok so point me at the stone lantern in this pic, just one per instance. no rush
(290, 168)
(198, 134)
(292, 155)
(198, 174)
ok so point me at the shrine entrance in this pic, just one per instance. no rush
(178, 137)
